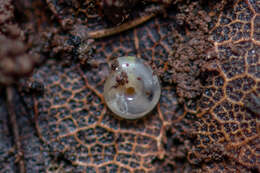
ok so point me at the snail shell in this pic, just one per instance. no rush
(132, 89)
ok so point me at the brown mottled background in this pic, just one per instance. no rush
(52, 69)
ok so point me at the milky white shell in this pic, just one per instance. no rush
(132, 89)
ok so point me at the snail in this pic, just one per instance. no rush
(132, 89)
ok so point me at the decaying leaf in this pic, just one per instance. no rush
(206, 55)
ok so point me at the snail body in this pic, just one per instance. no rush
(132, 89)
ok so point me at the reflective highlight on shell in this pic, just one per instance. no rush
(132, 89)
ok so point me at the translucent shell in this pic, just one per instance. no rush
(132, 89)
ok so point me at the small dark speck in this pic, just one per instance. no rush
(138, 78)
(149, 95)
